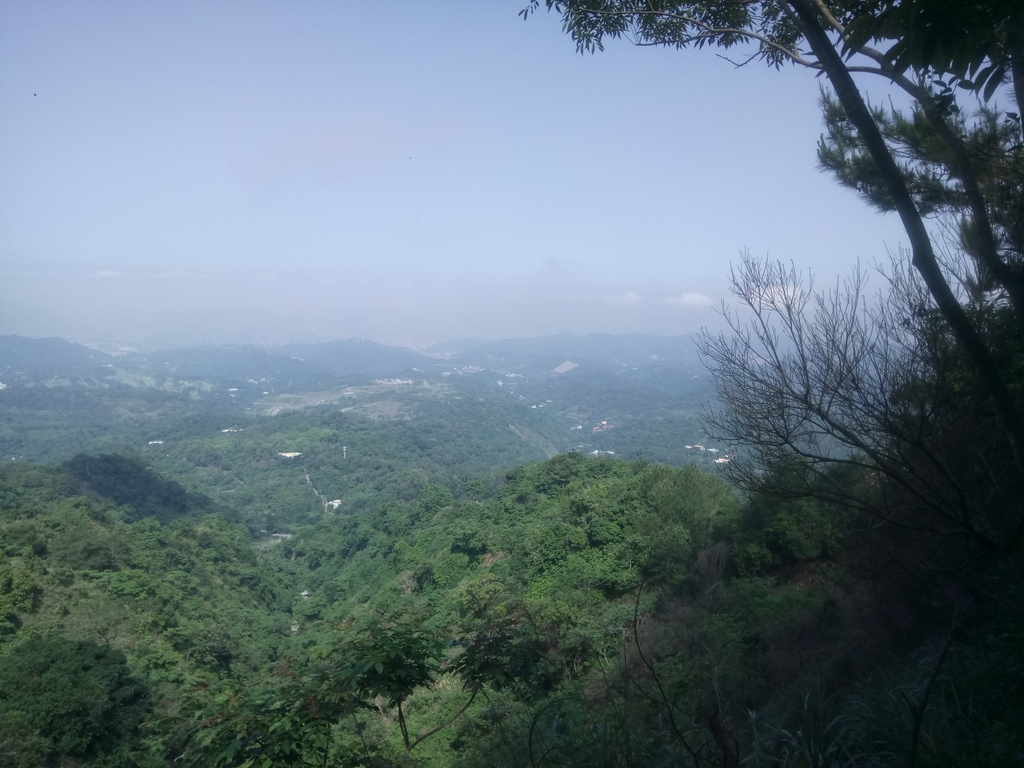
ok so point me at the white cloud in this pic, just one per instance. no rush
(629, 298)
(690, 300)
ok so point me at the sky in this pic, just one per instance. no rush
(265, 172)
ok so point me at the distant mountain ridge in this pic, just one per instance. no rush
(23, 356)
(633, 396)
(347, 357)
(630, 359)
(232, 364)
(602, 348)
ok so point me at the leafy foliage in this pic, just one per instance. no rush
(63, 701)
(973, 41)
(451, 611)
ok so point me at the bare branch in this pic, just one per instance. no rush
(707, 32)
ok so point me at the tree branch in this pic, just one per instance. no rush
(924, 258)
(707, 32)
(420, 739)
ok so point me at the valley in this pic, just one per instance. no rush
(247, 558)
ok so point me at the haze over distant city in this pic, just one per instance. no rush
(262, 172)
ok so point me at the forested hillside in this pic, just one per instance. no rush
(591, 609)
(633, 397)
(277, 440)
(794, 540)
(239, 558)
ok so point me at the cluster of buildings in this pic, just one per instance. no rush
(719, 460)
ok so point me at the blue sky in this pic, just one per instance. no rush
(185, 172)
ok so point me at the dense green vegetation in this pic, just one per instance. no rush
(62, 699)
(186, 600)
(650, 387)
(243, 557)
(589, 612)
(218, 422)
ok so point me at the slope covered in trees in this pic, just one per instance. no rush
(84, 575)
(859, 604)
(590, 612)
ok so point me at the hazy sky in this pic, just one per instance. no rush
(183, 172)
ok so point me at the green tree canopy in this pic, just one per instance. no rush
(64, 700)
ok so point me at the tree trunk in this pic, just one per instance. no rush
(989, 253)
(924, 259)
